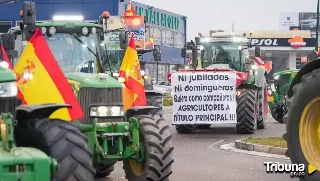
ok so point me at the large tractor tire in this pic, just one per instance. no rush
(104, 169)
(247, 111)
(61, 140)
(155, 100)
(186, 129)
(263, 108)
(303, 122)
(156, 138)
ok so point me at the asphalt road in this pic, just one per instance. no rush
(198, 156)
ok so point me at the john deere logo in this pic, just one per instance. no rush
(288, 18)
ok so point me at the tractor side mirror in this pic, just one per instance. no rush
(194, 57)
(29, 13)
(124, 40)
(197, 39)
(15, 54)
(157, 53)
(183, 52)
(257, 52)
(8, 41)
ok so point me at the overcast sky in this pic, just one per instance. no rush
(220, 14)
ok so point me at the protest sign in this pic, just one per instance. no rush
(204, 97)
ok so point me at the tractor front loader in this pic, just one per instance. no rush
(142, 141)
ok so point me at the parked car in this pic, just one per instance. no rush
(163, 86)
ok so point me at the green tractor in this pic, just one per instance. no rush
(228, 52)
(106, 134)
(303, 120)
(279, 89)
(23, 163)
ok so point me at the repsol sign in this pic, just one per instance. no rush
(265, 42)
(284, 42)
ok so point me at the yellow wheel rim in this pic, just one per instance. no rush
(309, 132)
(136, 167)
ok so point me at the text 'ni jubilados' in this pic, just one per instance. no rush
(204, 97)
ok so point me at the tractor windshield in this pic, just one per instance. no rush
(115, 58)
(73, 52)
(224, 53)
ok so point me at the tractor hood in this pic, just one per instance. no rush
(6, 75)
(94, 80)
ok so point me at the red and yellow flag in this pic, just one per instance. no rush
(130, 73)
(5, 57)
(41, 81)
(130, 11)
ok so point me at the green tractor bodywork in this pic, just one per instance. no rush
(21, 163)
(279, 89)
(113, 135)
(228, 52)
(18, 163)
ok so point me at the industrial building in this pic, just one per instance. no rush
(167, 29)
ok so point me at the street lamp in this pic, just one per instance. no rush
(317, 27)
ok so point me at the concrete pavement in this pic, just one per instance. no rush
(198, 156)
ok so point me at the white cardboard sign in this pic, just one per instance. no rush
(204, 97)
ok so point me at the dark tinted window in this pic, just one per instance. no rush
(5, 26)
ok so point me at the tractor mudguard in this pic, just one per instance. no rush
(139, 110)
(309, 67)
(38, 111)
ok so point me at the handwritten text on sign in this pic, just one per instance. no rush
(204, 97)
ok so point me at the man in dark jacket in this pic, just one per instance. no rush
(223, 57)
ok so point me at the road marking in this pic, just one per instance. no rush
(215, 143)
(231, 147)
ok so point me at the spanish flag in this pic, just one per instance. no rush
(130, 74)
(130, 11)
(41, 81)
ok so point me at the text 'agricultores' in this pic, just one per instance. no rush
(204, 97)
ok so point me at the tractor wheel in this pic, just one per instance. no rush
(155, 138)
(104, 169)
(156, 101)
(186, 129)
(278, 115)
(61, 140)
(203, 126)
(247, 111)
(263, 108)
(303, 122)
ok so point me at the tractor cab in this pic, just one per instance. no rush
(76, 45)
(220, 50)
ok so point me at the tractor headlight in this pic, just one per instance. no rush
(8, 89)
(106, 111)
(276, 77)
